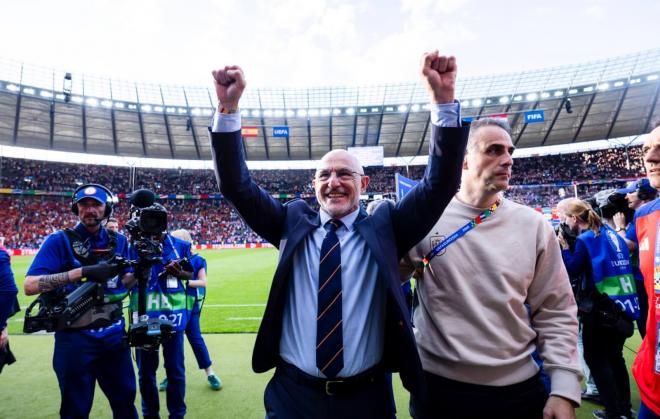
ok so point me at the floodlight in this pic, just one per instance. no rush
(158, 109)
(531, 96)
(336, 111)
(119, 105)
(635, 81)
(92, 101)
(588, 89)
(518, 98)
(363, 110)
(545, 95)
(245, 112)
(279, 113)
(325, 112)
(618, 84)
(572, 91)
(290, 113)
(426, 107)
(132, 106)
(302, 113)
(477, 102)
(77, 99)
(106, 103)
(652, 77)
(207, 112)
(313, 112)
(59, 96)
(559, 93)
(256, 113)
(375, 110)
(28, 90)
(504, 99)
(268, 113)
(350, 111)
(145, 108)
(414, 108)
(13, 88)
(182, 110)
(196, 111)
(45, 93)
(603, 86)
(402, 108)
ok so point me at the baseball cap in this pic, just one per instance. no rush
(93, 192)
(638, 185)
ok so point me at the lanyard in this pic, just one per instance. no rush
(176, 252)
(460, 233)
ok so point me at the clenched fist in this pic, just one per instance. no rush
(229, 85)
(439, 73)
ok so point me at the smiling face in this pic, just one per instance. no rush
(488, 162)
(651, 151)
(338, 183)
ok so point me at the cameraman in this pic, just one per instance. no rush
(638, 193)
(166, 300)
(88, 353)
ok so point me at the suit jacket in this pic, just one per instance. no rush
(390, 232)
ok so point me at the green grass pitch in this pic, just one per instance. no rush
(239, 281)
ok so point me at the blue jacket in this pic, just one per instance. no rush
(389, 233)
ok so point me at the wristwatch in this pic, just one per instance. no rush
(620, 228)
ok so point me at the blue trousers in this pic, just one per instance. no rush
(147, 362)
(646, 413)
(194, 335)
(80, 360)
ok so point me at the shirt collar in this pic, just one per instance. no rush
(347, 220)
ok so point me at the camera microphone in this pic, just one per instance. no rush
(143, 198)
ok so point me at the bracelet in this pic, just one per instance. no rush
(620, 229)
(228, 111)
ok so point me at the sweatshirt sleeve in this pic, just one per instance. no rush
(554, 317)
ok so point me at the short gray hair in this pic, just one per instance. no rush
(487, 122)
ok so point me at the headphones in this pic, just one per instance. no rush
(111, 199)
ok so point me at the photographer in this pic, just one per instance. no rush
(166, 300)
(196, 287)
(638, 193)
(607, 306)
(92, 348)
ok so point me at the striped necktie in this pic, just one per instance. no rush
(329, 340)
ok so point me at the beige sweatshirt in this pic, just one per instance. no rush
(472, 324)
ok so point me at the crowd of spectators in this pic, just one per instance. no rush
(538, 181)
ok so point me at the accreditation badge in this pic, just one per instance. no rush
(172, 282)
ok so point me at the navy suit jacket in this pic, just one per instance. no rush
(390, 232)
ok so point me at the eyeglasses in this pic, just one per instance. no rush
(343, 175)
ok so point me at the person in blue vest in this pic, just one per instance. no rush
(607, 302)
(92, 349)
(166, 300)
(196, 287)
(8, 303)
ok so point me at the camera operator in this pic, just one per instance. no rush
(86, 353)
(166, 300)
(638, 193)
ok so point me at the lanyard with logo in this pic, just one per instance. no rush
(172, 281)
(459, 233)
(656, 297)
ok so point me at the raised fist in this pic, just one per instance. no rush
(229, 84)
(439, 74)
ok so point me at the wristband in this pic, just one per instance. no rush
(228, 111)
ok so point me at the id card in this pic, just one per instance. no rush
(172, 282)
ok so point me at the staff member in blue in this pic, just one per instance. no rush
(607, 301)
(196, 287)
(167, 300)
(87, 353)
(8, 303)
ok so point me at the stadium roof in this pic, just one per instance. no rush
(50, 109)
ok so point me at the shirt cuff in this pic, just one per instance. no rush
(226, 122)
(446, 114)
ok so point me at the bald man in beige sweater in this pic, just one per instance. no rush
(491, 298)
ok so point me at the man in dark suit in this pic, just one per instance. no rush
(336, 321)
